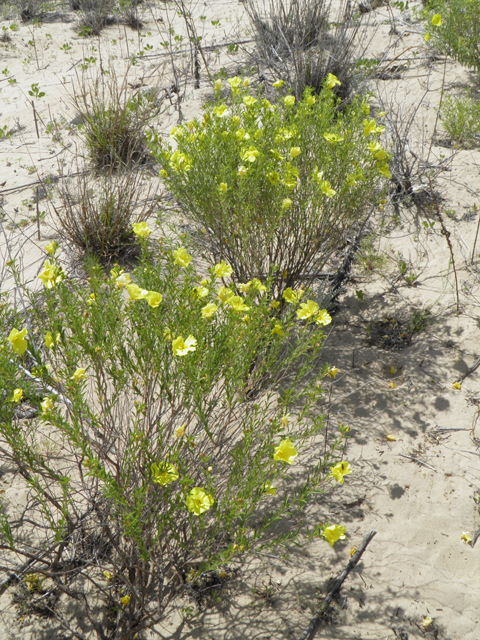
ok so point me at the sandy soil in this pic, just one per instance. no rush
(420, 486)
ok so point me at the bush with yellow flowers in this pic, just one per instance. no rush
(276, 189)
(184, 417)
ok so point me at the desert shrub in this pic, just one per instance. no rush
(297, 42)
(95, 215)
(31, 9)
(174, 452)
(461, 119)
(275, 188)
(454, 27)
(95, 15)
(113, 119)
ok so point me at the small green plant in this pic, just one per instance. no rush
(35, 91)
(66, 46)
(87, 62)
(275, 188)
(454, 27)
(96, 215)
(461, 119)
(188, 418)
(5, 132)
(113, 120)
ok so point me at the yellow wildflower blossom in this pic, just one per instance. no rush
(278, 330)
(250, 154)
(437, 20)
(289, 101)
(125, 600)
(164, 473)
(331, 81)
(333, 138)
(141, 229)
(222, 270)
(333, 533)
(307, 310)
(286, 204)
(249, 101)
(269, 488)
(47, 404)
(295, 151)
(182, 257)
(339, 471)
(323, 318)
(51, 275)
(332, 372)
(123, 280)
(278, 84)
(17, 395)
(181, 347)
(135, 292)
(17, 340)
(208, 311)
(285, 452)
(180, 431)
(51, 248)
(198, 501)
(224, 293)
(326, 188)
(201, 292)
(466, 537)
(79, 375)
(237, 303)
(291, 296)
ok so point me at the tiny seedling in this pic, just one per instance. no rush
(35, 91)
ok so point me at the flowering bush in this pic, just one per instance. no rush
(454, 27)
(183, 415)
(275, 187)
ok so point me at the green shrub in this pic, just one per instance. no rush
(177, 407)
(461, 119)
(113, 119)
(454, 27)
(298, 41)
(96, 214)
(275, 188)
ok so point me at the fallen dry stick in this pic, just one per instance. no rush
(315, 622)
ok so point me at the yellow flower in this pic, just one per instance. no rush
(333, 137)
(51, 275)
(123, 280)
(326, 188)
(125, 600)
(286, 204)
(285, 452)
(237, 303)
(180, 161)
(437, 20)
(224, 293)
(234, 82)
(269, 488)
(181, 256)
(250, 155)
(179, 431)
(456, 385)
(141, 229)
(370, 127)
(426, 37)
(277, 330)
(136, 293)
(201, 292)
(245, 286)
(47, 405)
(426, 622)
(390, 437)
(332, 372)
(392, 385)
(218, 85)
(311, 101)
(331, 81)
(334, 532)
(292, 296)
(17, 395)
(221, 111)
(274, 304)
(466, 537)
(384, 170)
(242, 171)
(198, 501)
(164, 473)
(91, 299)
(17, 340)
(278, 84)
(295, 151)
(78, 375)
(307, 310)
(249, 101)
(51, 248)
(108, 575)
(284, 420)
(340, 470)
(163, 173)
(209, 310)
(222, 270)
(256, 284)
(289, 101)
(323, 318)
(50, 340)
(181, 347)
(223, 187)
(154, 298)
(274, 177)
